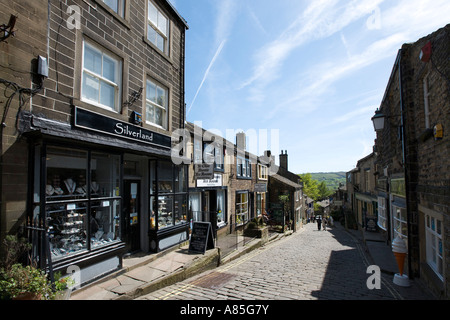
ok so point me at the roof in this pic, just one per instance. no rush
(285, 181)
(177, 13)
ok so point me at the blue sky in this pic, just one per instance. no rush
(314, 70)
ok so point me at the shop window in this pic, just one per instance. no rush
(157, 28)
(221, 212)
(101, 77)
(156, 104)
(195, 206)
(82, 213)
(260, 203)
(382, 217)
(400, 225)
(168, 195)
(242, 209)
(434, 244)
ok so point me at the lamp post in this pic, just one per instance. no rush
(378, 120)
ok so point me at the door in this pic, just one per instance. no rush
(206, 202)
(132, 205)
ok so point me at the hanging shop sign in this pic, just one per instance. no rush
(261, 187)
(96, 122)
(204, 171)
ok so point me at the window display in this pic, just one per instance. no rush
(221, 208)
(241, 207)
(168, 195)
(78, 210)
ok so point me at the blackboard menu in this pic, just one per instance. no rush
(201, 237)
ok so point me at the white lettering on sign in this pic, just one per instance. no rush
(125, 130)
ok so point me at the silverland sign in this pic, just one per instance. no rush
(129, 132)
(96, 122)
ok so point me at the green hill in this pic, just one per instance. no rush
(332, 179)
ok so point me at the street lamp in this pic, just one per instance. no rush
(378, 120)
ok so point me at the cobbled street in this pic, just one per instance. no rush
(308, 265)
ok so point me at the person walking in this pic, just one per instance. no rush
(319, 222)
(325, 221)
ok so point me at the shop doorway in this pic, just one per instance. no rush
(132, 205)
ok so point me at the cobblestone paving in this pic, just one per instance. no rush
(308, 265)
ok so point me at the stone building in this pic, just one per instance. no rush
(288, 187)
(237, 189)
(365, 208)
(412, 155)
(96, 89)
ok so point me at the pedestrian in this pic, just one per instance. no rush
(325, 221)
(331, 221)
(319, 222)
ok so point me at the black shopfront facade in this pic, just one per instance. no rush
(102, 189)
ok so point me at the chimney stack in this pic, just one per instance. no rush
(240, 141)
(284, 160)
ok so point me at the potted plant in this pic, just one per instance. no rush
(257, 229)
(19, 281)
(24, 283)
(63, 286)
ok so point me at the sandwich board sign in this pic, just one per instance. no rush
(201, 237)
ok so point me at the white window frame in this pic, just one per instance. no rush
(242, 207)
(155, 104)
(101, 79)
(156, 23)
(243, 167)
(195, 205)
(262, 172)
(399, 222)
(120, 8)
(434, 227)
(260, 203)
(382, 217)
(221, 208)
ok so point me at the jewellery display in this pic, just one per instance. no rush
(67, 225)
(82, 214)
(70, 185)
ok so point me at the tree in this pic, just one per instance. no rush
(310, 186)
(323, 190)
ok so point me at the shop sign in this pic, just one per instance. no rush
(201, 238)
(216, 182)
(96, 122)
(260, 187)
(204, 171)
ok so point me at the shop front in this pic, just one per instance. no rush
(207, 202)
(102, 188)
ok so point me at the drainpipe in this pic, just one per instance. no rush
(404, 158)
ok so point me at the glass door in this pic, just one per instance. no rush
(132, 205)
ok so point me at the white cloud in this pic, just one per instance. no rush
(205, 75)
(321, 19)
(353, 114)
(226, 15)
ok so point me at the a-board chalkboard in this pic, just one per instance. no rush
(201, 237)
